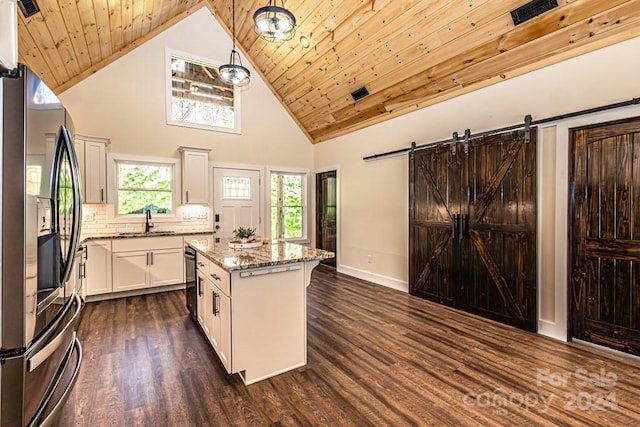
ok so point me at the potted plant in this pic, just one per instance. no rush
(244, 234)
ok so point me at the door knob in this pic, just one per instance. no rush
(217, 227)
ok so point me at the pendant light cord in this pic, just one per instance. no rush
(233, 18)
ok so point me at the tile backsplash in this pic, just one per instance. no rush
(95, 220)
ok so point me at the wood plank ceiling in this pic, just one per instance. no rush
(445, 48)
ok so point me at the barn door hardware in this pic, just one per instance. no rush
(454, 143)
(455, 218)
(527, 128)
(460, 226)
(467, 137)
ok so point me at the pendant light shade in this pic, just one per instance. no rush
(274, 23)
(234, 73)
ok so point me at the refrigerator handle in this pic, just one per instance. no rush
(36, 360)
(65, 138)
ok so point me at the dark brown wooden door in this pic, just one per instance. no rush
(473, 227)
(327, 214)
(605, 235)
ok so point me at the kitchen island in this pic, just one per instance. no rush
(251, 304)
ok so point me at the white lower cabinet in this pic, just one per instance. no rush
(98, 267)
(166, 267)
(131, 264)
(202, 303)
(130, 271)
(214, 315)
(147, 262)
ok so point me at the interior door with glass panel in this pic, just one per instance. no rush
(236, 200)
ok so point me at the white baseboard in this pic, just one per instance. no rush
(125, 294)
(389, 282)
(608, 350)
(552, 330)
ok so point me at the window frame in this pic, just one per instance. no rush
(169, 53)
(112, 185)
(306, 210)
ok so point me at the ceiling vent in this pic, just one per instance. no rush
(359, 93)
(531, 10)
(28, 7)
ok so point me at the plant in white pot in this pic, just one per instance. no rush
(244, 234)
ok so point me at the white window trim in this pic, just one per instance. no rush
(168, 91)
(112, 189)
(306, 206)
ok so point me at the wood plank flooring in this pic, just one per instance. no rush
(376, 357)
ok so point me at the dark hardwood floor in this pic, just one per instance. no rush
(376, 357)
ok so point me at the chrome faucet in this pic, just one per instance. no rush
(148, 226)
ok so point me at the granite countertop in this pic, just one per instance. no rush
(84, 237)
(271, 253)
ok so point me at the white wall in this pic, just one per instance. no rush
(125, 102)
(374, 194)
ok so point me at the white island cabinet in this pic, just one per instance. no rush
(252, 305)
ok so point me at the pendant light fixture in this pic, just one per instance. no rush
(233, 73)
(274, 23)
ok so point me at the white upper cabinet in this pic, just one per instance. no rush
(195, 176)
(92, 159)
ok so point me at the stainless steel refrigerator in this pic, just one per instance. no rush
(40, 215)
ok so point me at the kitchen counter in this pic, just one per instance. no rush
(252, 304)
(267, 255)
(84, 237)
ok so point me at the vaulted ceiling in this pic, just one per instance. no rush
(408, 53)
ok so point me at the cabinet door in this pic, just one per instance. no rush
(201, 309)
(130, 270)
(166, 267)
(224, 316)
(195, 177)
(95, 172)
(214, 317)
(206, 298)
(98, 268)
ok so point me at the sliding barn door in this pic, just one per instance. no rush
(473, 227)
(502, 229)
(436, 179)
(605, 235)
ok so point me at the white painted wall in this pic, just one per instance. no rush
(374, 195)
(125, 102)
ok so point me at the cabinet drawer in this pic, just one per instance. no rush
(202, 264)
(146, 243)
(220, 277)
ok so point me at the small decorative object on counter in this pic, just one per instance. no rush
(244, 234)
(244, 238)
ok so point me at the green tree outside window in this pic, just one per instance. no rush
(143, 187)
(287, 207)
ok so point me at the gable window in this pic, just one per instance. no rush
(197, 97)
(288, 205)
(143, 186)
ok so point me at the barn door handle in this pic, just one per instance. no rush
(455, 222)
(464, 226)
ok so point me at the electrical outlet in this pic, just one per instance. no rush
(369, 258)
(202, 215)
(89, 217)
